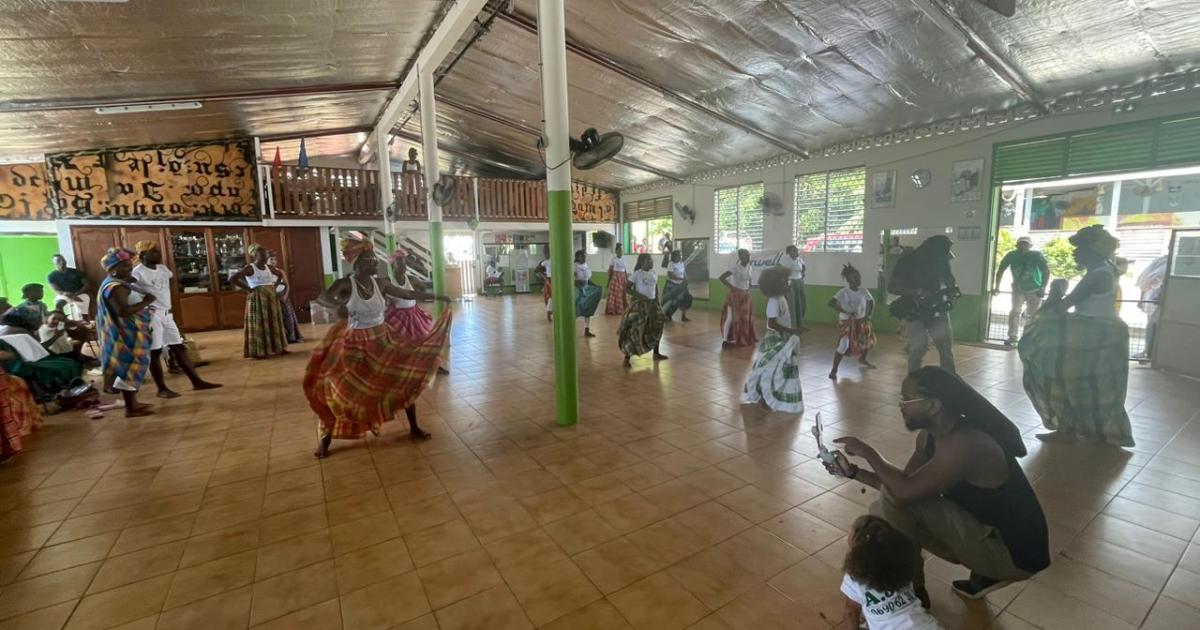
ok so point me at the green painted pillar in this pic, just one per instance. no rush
(552, 40)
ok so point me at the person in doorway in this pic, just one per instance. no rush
(774, 379)
(854, 306)
(676, 296)
(927, 291)
(291, 323)
(153, 278)
(642, 326)
(1077, 363)
(363, 373)
(1151, 282)
(493, 277)
(408, 320)
(878, 583)
(587, 294)
(618, 280)
(71, 287)
(411, 173)
(31, 305)
(543, 272)
(123, 328)
(264, 333)
(962, 496)
(1030, 275)
(737, 315)
(796, 266)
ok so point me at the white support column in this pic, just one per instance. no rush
(429, 144)
(382, 153)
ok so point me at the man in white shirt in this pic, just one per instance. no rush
(153, 278)
(795, 264)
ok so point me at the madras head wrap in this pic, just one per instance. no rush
(144, 246)
(253, 249)
(114, 256)
(354, 244)
(398, 254)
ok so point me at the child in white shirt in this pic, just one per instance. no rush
(854, 305)
(878, 584)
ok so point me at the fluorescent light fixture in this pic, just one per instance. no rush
(147, 107)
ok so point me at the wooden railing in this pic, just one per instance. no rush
(320, 192)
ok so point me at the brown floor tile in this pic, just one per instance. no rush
(372, 564)
(614, 565)
(139, 565)
(282, 594)
(49, 618)
(458, 577)
(120, 605)
(227, 611)
(208, 579)
(493, 609)
(292, 554)
(385, 604)
(441, 541)
(658, 602)
(67, 555)
(326, 616)
(45, 590)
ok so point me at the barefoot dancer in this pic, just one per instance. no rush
(264, 318)
(363, 373)
(642, 327)
(153, 278)
(854, 306)
(403, 315)
(737, 316)
(774, 379)
(124, 332)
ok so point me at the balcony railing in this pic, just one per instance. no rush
(321, 192)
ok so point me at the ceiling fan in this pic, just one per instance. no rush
(591, 149)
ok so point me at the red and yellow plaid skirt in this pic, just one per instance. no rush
(19, 414)
(737, 319)
(358, 379)
(858, 336)
(546, 291)
(618, 299)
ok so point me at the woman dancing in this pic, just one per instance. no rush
(403, 315)
(642, 327)
(737, 316)
(363, 372)
(1077, 363)
(264, 332)
(587, 295)
(123, 330)
(291, 324)
(676, 295)
(617, 281)
(774, 379)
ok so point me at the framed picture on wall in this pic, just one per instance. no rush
(883, 189)
(966, 181)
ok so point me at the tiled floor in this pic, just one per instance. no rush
(668, 506)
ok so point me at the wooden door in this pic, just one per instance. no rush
(91, 243)
(194, 299)
(270, 238)
(304, 269)
(229, 254)
(131, 235)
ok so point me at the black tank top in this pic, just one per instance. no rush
(1013, 509)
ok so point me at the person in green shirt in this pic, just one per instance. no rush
(1030, 275)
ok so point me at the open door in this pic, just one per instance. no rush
(1176, 345)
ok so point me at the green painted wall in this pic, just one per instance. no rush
(25, 258)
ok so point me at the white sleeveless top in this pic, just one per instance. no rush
(260, 277)
(366, 313)
(1100, 304)
(401, 302)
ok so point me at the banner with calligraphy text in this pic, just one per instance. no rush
(24, 193)
(592, 205)
(215, 181)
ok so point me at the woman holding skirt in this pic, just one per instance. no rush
(774, 379)
(1077, 363)
(264, 330)
(403, 315)
(291, 323)
(676, 296)
(587, 295)
(642, 327)
(737, 316)
(618, 301)
(363, 373)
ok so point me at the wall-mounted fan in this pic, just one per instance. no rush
(591, 149)
(771, 204)
(686, 212)
(443, 190)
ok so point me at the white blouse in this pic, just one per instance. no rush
(644, 282)
(583, 272)
(741, 277)
(618, 264)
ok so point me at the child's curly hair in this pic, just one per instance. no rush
(848, 269)
(880, 556)
(773, 282)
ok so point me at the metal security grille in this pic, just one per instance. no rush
(829, 210)
(738, 217)
(657, 208)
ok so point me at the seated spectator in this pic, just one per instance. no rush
(56, 337)
(32, 295)
(16, 321)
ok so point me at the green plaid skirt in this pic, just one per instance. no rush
(775, 375)
(264, 333)
(1076, 374)
(641, 328)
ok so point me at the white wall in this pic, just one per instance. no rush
(928, 209)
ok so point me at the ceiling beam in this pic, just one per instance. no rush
(530, 25)
(949, 20)
(537, 133)
(456, 22)
(11, 107)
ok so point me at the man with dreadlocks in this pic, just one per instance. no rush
(1077, 363)
(962, 496)
(927, 290)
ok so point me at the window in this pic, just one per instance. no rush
(829, 210)
(739, 218)
(649, 220)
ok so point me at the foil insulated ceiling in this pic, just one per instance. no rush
(693, 84)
